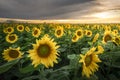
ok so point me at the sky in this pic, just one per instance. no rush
(60, 9)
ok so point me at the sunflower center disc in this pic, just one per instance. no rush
(13, 53)
(44, 50)
(9, 30)
(79, 33)
(35, 32)
(58, 32)
(88, 33)
(20, 28)
(75, 37)
(107, 38)
(88, 60)
(12, 38)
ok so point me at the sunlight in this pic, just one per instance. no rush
(104, 15)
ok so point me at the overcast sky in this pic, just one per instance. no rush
(59, 9)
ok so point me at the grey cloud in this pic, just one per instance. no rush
(49, 9)
(69, 2)
(109, 4)
(39, 8)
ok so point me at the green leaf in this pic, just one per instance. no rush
(72, 56)
(31, 77)
(84, 50)
(5, 67)
(61, 75)
(27, 69)
(112, 77)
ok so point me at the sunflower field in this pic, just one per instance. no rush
(50, 51)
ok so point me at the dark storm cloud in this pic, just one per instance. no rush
(41, 9)
(54, 9)
(69, 2)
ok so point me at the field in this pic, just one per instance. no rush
(50, 51)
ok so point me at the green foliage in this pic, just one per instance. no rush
(5, 67)
(68, 66)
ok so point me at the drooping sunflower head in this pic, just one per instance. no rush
(11, 38)
(10, 30)
(95, 37)
(12, 54)
(44, 52)
(89, 61)
(89, 33)
(20, 28)
(107, 37)
(27, 29)
(79, 33)
(59, 31)
(36, 32)
(75, 38)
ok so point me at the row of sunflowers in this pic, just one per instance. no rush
(59, 51)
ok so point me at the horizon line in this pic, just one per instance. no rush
(110, 20)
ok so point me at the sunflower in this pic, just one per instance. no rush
(59, 31)
(12, 54)
(116, 40)
(107, 37)
(89, 33)
(89, 61)
(107, 28)
(44, 52)
(27, 28)
(100, 49)
(79, 33)
(5, 30)
(36, 32)
(75, 38)
(85, 31)
(115, 32)
(20, 28)
(11, 38)
(10, 30)
(95, 38)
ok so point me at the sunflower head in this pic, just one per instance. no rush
(107, 37)
(95, 37)
(115, 31)
(12, 54)
(84, 32)
(79, 33)
(100, 50)
(44, 52)
(10, 30)
(107, 28)
(27, 29)
(89, 33)
(59, 31)
(11, 38)
(5, 30)
(75, 38)
(116, 40)
(20, 28)
(36, 32)
(89, 61)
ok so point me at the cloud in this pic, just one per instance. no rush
(54, 9)
(37, 9)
